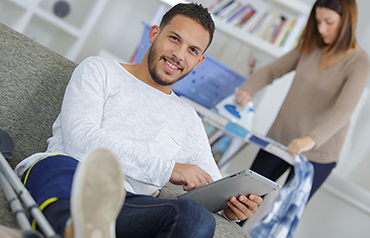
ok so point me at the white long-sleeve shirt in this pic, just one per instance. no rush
(149, 131)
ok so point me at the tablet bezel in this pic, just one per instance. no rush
(214, 196)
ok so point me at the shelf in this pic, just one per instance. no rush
(20, 3)
(12, 15)
(48, 35)
(291, 8)
(79, 11)
(36, 19)
(58, 22)
(249, 39)
(298, 6)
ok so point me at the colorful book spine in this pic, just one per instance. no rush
(265, 25)
(295, 33)
(290, 26)
(283, 31)
(278, 30)
(238, 13)
(260, 23)
(224, 7)
(271, 30)
(230, 10)
(245, 18)
(213, 4)
(251, 21)
(271, 26)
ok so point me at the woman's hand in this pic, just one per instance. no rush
(300, 145)
(242, 97)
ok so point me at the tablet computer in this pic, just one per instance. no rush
(214, 196)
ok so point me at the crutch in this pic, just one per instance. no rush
(17, 209)
(14, 189)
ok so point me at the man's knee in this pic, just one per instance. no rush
(197, 218)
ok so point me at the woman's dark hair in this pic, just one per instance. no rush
(346, 38)
(193, 11)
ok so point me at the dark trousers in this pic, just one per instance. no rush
(50, 181)
(273, 167)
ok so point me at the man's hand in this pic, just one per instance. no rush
(242, 97)
(242, 207)
(190, 176)
(300, 145)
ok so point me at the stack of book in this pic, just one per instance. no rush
(272, 26)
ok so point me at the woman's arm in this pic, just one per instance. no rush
(270, 72)
(348, 98)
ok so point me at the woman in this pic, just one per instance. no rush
(331, 73)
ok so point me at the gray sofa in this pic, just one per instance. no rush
(32, 84)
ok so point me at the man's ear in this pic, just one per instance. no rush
(154, 31)
(200, 60)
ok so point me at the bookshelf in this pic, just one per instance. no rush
(289, 8)
(36, 19)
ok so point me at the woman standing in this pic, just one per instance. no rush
(331, 73)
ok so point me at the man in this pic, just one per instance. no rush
(157, 138)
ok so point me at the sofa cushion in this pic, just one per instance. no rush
(32, 84)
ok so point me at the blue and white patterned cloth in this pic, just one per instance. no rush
(282, 216)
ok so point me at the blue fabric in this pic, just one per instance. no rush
(282, 216)
(146, 216)
(141, 216)
(51, 177)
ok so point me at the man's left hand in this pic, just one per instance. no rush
(242, 207)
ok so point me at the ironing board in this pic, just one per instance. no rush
(233, 129)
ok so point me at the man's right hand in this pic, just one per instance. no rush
(242, 97)
(190, 176)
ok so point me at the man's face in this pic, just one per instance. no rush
(176, 50)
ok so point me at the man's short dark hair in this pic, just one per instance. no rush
(193, 11)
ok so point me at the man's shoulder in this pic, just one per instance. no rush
(97, 60)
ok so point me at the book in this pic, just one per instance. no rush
(238, 15)
(271, 31)
(230, 10)
(224, 7)
(218, 6)
(288, 30)
(261, 21)
(214, 4)
(220, 146)
(295, 32)
(246, 18)
(266, 24)
(284, 31)
(278, 30)
(252, 20)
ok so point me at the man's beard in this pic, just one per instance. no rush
(152, 70)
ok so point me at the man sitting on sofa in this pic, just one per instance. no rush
(157, 138)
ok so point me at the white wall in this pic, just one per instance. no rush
(119, 28)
